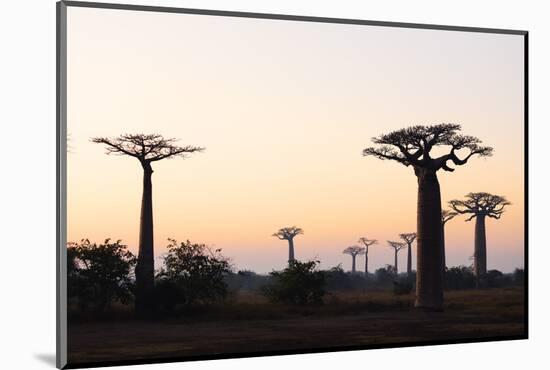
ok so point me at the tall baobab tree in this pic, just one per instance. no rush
(446, 216)
(288, 233)
(412, 146)
(367, 243)
(408, 238)
(146, 149)
(354, 251)
(480, 206)
(397, 246)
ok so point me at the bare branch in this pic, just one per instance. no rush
(447, 215)
(367, 242)
(471, 217)
(408, 238)
(386, 152)
(145, 147)
(396, 245)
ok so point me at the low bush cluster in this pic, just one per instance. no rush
(300, 283)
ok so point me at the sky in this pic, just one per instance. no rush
(284, 110)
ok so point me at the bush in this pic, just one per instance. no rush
(246, 280)
(99, 274)
(459, 277)
(402, 287)
(385, 275)
(496, 279)
(519, 276)
(192, 274)
(337, 279)
(168, 294)
(300, 283)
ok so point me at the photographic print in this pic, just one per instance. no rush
(236, 184)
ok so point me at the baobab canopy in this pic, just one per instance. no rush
(484, 204)
(411, 146)
(288, 232)
(147, 147)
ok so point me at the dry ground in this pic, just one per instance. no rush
(249, 324)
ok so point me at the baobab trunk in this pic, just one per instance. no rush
(429, 274)
(409, 260)
(353, 264)
(480, 251)
(367, 263)
(145, 264)
(290, 250)
(443, 260)
(395, 262)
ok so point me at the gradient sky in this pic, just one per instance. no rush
(284, 109)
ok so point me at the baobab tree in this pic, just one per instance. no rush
(413, 146)
(367, 243)
(446, 216)
(288, 233)
(397, 246)
(354, 251)
(408, 238)
(146, 149)
(480, 206)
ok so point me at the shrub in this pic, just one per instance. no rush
(385, 275)
(519, 276)
(246, 280)
(192, 274)
(459, 277)
(99, 274)
(496, 279)
(300, 283)
(402, 287)
(337, 279)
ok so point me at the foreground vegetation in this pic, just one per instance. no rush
(202, 307)
(195, 277)
(249, 322)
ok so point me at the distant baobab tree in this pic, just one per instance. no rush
(69, 146)
(146, 149)
(408, 238)
(446, 216)
(288, 233)
(412, 146)
(397, 246)
(354, 251)
(480, 206)
(367, 243)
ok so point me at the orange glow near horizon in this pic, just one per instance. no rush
(284, 110)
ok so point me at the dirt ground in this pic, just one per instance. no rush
(249, 325)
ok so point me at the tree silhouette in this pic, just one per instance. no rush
(412, 146)
(146, 149)
(408, 238)
(367, 242)
(354, 251)
(480, 206)
(99, 273)
(446, 216)
(288, 233)
(397, 246)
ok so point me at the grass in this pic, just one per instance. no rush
(247, 305)
(247, 322)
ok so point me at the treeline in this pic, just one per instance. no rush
(194, 275)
